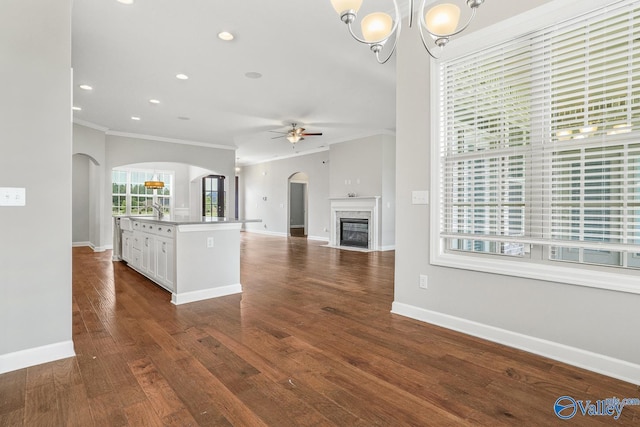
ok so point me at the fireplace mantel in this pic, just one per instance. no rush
(363, 207)
(355, 198)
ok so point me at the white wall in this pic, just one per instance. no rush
(367, 167)
(356, 167)
(90, 143)
(388, 201)
(584, 326)
(35, 253)
(80, 196)
(271, 180)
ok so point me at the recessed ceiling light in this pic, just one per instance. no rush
(154, 101)
(125, 1)
(182, 76)
(135, 118)
(74, 108)
(252, 75)
(225, 35)
(86, 87)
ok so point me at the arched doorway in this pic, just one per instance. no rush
(298, 201)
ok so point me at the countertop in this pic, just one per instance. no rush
(202, 221)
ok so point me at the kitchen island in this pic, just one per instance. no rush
(194, 260)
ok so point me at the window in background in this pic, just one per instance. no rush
(119, 181)
(131, 197)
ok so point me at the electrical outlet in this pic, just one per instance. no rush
(209, 242)
(423, 281)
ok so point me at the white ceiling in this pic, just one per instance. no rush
(313, 73)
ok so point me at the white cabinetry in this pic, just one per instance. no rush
(181, 256)
(127, 243)
(136, 250)
(153, 252)
(165, 253)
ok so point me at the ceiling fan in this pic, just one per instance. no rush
(295, 134)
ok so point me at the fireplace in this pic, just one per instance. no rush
(354, 232)
(362, 216)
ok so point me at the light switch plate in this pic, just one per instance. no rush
(419, 197)
(12, 196)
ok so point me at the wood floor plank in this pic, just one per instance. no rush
(13, 418)
(73, 406)
(41, 406)
(159, 393)
(106, 410)
(12, 391)
(143, 415)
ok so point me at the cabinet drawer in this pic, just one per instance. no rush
(163, 230)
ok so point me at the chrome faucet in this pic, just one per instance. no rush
(158, 208)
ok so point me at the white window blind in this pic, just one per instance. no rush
(540, 142)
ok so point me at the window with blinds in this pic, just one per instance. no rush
(539, 143)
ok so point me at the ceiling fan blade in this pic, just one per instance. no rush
(312, 134)
(276, 137)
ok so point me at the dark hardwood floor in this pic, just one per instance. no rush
(310, 342)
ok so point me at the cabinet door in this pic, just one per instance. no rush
(126, 245)
(165, 272)
(136, 257)
(145, 252)
(148, 254)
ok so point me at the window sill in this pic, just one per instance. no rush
(548, 272)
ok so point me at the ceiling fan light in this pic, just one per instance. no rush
(376, 27)
(342, 6)
(293, 137)
(443, 19)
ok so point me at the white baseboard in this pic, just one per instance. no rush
(36, 356)
(318, 238)
(92, 246)
(267, 233)
(605, 365)
(388, 248)
(222, 291)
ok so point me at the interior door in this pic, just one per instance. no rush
(213, 203)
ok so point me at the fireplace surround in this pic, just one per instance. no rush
(357, 208)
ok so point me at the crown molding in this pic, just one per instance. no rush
(170, 140)
(90, 125)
